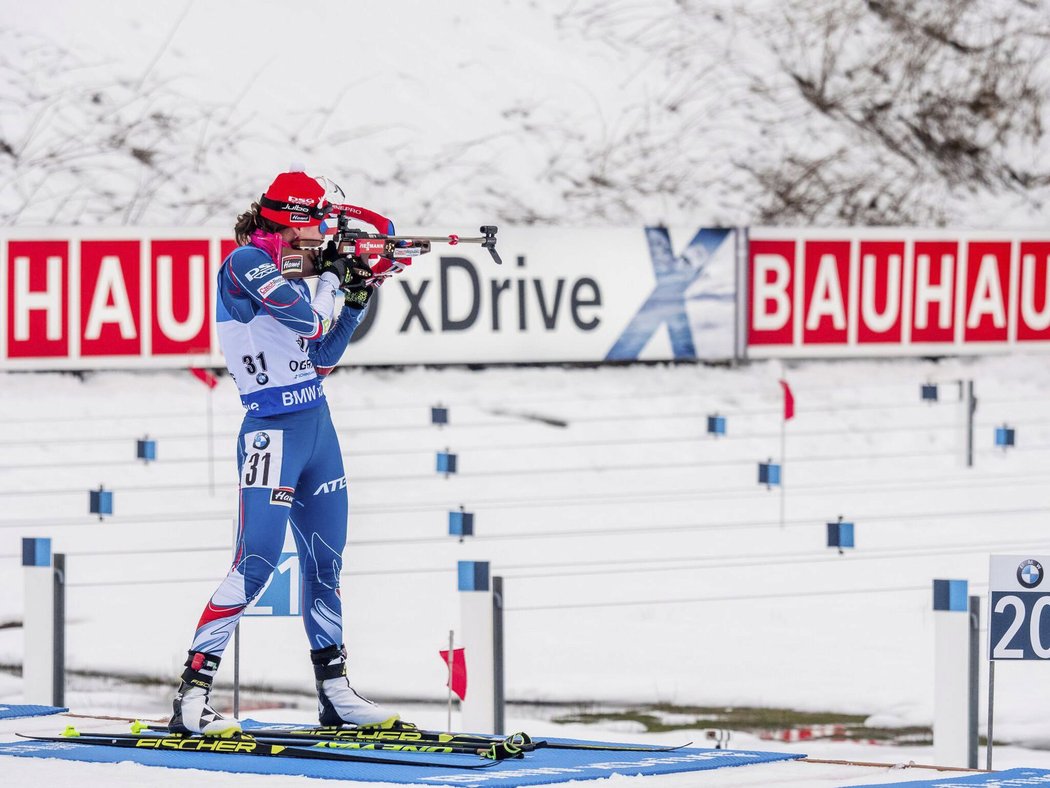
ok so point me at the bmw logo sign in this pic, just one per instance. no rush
(262, 440)
(262, 378)
(1030, 573)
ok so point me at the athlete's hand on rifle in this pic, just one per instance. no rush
(358, 283)
(330, 261)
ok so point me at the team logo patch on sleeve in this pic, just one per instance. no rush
(292, 264)
(268, 287)
(282, 496)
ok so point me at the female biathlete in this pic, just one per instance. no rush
(279, 343)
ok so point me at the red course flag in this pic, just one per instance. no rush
(205, 377)
(789, 401)
(457, 681)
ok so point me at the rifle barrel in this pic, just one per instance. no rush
(438, 238)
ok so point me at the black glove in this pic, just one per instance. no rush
(357, 283)
(331, 261)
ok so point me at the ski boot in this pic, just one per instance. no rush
(337, 702)
(193, 713)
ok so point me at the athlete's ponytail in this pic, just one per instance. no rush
(250, 221)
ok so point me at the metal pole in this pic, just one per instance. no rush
(497, 653)
(58, 691)
(237, 669)
(975, 680)
(236, 637)
(971, 408)
(451, 640)
(741, 240)
(991, 706)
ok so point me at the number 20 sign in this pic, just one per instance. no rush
(1020, 597)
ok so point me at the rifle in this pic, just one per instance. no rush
(394, 251)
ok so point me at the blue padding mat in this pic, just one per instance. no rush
(540, 767)
(1006, 779)
(14, 712)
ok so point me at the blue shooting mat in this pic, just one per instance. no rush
(14, 712)
(1011, 778)
(541, 767)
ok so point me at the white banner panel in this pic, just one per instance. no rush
(895, 292)
(128, 298)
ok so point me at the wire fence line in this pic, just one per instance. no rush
(780, 595)
(531, 471)
(574, 569)
(605, 531)
(701, 563)
(615, 564)
(643, 413)
(927, 484)
(482, 504)
(551, 444)
(906, 389)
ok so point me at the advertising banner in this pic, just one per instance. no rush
(130, 298)
(895, 292)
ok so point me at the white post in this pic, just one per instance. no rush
(475, 598)
(450, 661)
(38, 661)
(951, 679)
(783, 468)
(211, 440)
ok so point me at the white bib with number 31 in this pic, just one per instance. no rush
(264, 450)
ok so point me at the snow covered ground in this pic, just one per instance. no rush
(642, 561)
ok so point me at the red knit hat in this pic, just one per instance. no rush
(294, 199)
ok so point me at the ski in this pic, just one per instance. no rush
(518, 742)
(406, 733)
(561, 745)
(402, 733)
(404, 738)
(243, 745)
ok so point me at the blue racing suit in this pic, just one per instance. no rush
(278, 345)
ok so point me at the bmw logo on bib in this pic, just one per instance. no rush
(1030, 573)
(262, 440)
(262, 378)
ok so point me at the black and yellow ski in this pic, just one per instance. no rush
(495, 747)
(245, 744)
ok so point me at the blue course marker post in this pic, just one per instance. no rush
(928, 392)
(840, 535)
(439, 415)
(716, 425)
(461, 523)
(146, 449)
(769, 473)
(446, 463)
(1004, 437)
(100, 502)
